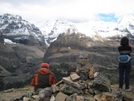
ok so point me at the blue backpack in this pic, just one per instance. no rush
(124, 58)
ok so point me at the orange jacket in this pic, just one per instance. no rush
(43, 78)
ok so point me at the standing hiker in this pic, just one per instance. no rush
(124, 63)
(43, 78)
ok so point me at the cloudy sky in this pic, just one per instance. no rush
(73, 10)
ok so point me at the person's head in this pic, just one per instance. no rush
(124, 41)
(71, 69)
(45, 65)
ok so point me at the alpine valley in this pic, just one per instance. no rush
(24, 46)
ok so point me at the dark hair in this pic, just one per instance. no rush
(124, 41)
(71, 69)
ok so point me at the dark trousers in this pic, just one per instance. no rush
(124, 72)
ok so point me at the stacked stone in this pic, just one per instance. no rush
(85, 84)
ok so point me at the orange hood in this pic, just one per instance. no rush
(43, 71)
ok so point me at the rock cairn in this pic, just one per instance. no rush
(85, 84)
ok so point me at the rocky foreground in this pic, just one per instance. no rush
(13, 94)
(86, 83)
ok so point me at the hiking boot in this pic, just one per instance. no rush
(128, 90)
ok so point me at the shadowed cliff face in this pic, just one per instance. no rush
(8, 57)
(19, 61)
(17, 64)
(101, 52)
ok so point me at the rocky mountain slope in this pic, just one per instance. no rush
(22, 54)
(68, 47)
(98, 39)
(17, 64)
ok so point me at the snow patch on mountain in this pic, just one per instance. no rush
(126, 23)
(7, 41)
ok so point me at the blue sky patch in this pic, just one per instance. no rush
(108, 17)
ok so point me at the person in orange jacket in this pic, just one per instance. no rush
(43, 78)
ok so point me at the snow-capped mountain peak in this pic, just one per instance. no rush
(17, 25)
(14, 28)
(53, 28)
(14, 25)
(48, 31)
(91, 28)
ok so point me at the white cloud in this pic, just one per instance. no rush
(77, 10)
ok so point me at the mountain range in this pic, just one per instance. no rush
(51, 29)
(23, 46)
(19, 30)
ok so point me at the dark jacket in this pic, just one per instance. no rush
(125, 50)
